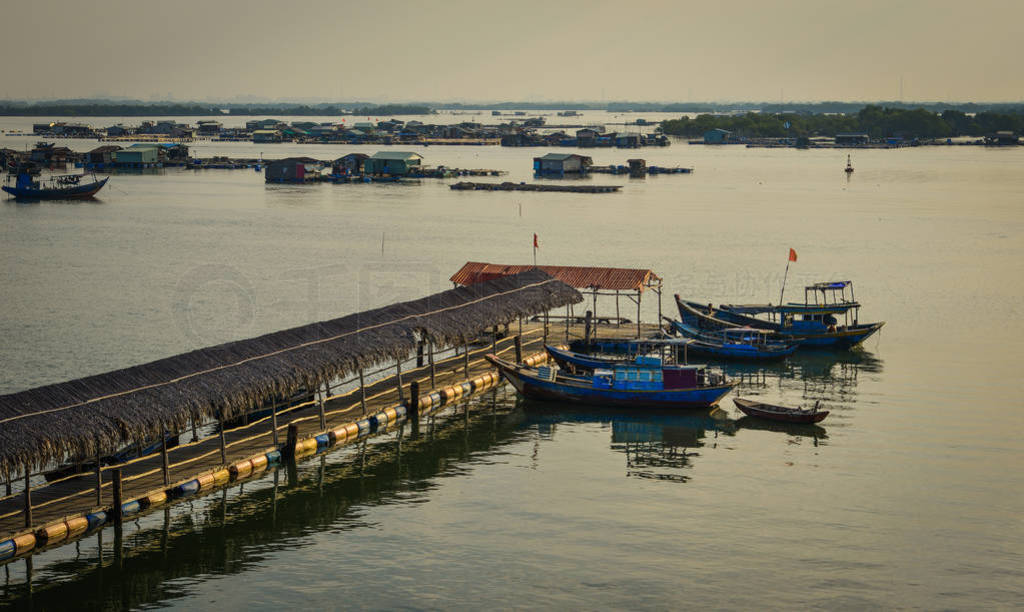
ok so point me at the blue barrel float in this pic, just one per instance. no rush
(96, 519)
(7, 549)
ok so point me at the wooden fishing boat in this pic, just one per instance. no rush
(588, 363)
(632, 385)
(67, 187)
(814, 323)
(780, 413)
(736, 343)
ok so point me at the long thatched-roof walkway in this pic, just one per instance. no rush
(107, 411)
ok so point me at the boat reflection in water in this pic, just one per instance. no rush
(658, 444)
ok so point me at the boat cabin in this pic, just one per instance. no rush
(647, 377)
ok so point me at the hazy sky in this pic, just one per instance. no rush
(515, 50)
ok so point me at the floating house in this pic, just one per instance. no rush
(1004, 137)
(587, 137)
(266, 136)
(349, 165)
(628, 141)
(392, 162)
(101, 156)
(209, 127)
(291, 170)
(138, 156)
(717, 136)
(560, 164)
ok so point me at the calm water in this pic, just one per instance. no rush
(909, 495)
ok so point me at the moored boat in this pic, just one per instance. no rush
(780, 413)
(66, 187)
(736, 343)
(628, 385)
(814, 323)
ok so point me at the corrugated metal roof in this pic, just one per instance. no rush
(559, 156)
(579, 277)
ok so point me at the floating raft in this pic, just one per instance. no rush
(508, 186)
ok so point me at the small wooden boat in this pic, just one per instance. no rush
(779, 413)
(849, 165)
(633, 385)
(588, 363)
(67, 187)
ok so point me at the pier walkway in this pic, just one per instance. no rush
(63, 510)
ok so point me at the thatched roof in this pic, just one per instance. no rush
(47, 423)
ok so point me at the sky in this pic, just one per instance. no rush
(460, 50)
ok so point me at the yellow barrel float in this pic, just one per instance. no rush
(241, 469)
(155, 498)
(221, 476)
(77, 525)
(392, 414)
(52, 533)
(24, 543)
(305, 447)
(259, 463)
(352, 430)
(205, 482)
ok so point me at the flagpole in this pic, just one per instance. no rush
(784, 282)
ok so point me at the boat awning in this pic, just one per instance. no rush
(579, 277)
(826, 286)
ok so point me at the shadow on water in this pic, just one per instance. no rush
(239, 527)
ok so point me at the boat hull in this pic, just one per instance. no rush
(540, 389)
(845, 337)
(701, 347)
(776, 413)
(79, 192)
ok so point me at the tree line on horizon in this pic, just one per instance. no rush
(876, 121)
(184, 109)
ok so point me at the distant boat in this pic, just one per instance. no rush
(634, 385)
(779, 413)
(67, 187)
(849, 165)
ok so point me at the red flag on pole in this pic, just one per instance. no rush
(535, 245)
(792, 255)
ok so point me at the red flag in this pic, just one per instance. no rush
(535, 245)
(792, 255)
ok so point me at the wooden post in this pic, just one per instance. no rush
(99, 476)
(273, 422)
(568, 317)
(430, 357)
(398, 370)
(637, 313)
(28, 499)
(518, 342)
(545, 327)
(115, 476)
(163, 455)
(618, 317)
(195, 436)
(413, 411)
(419, 354)
(8, 484)
(659, 307)
(586, 328)
(323, 412)
(465, 355)
(520, 326)
(292, 440)
(494, 340)
(223, 441)
(362, 391)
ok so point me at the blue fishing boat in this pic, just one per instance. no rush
(636, 385)
(739, 343)
(580, 362)
(67, 187)
(815, 323)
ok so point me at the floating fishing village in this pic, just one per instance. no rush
(472, 307)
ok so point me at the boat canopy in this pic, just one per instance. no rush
(825, 286)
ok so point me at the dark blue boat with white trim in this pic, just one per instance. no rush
(815, 323)
(736, 343)
(637, 385)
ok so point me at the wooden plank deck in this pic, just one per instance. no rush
(75, 496)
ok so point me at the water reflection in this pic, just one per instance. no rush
(657, 445)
